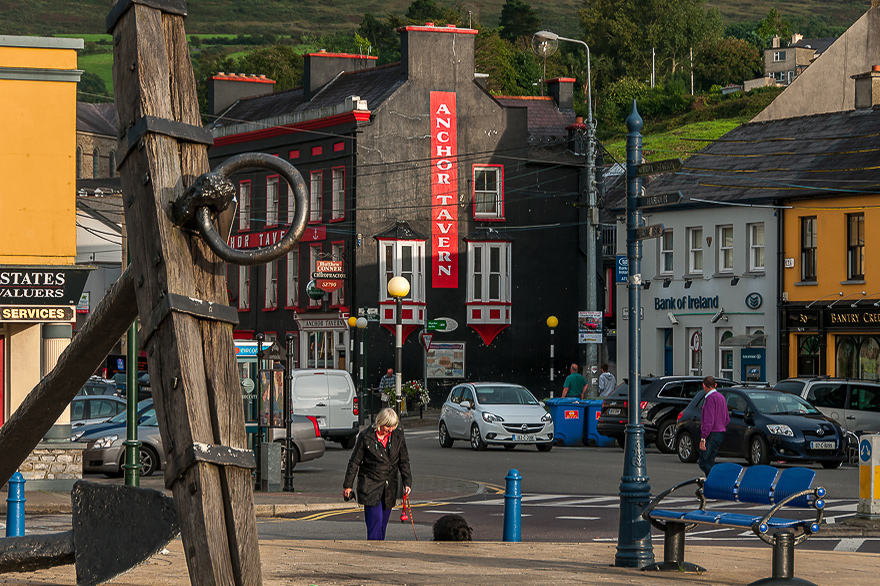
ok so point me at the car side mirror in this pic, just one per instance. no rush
(738, 413)
(467, 405)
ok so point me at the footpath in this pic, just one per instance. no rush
(292, 562)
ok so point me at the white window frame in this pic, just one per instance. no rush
(725, 249)
(415, 276)
(481, 273)
(316, 189)
(667, 256)
(695, 359)
(493, 198)
(272, 200)
(244, 287)
(337, 211)
(244, 205)
(270, 300)
(695, 251)
(723, 351)
(337, 297)
(293, 278)
(756, 249)
(778, 56)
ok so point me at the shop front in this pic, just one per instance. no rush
(323, 340)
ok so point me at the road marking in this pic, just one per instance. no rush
(421, 433)
(580, 518)
(336, 512)
(444, 512)
(849, 545)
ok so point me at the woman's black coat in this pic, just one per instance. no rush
(376, 468)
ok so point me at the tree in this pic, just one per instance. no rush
(773, 25)
(422, 11)
(279, 62)
(726, 61)
(383, 39)
(518, 20)
(91, 88)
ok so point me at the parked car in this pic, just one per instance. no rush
(765, 425)
(145, 411)
(97, 386)
(329, 396)
(853, 403)
(662, 399)
(495, 413)
(105, 452)
(120, 379)
(307, 441)
(88, 409)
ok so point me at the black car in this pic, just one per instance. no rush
(765, 425)
(662, 399)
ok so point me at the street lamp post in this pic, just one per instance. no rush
(361, 324)
(288, 418)
(552, 322)
(592, 211)
(259, 440)
(398, 287)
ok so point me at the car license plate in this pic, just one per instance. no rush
(613, 412)
(823, 445)
(523, 438)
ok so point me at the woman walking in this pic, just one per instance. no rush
(378, 455)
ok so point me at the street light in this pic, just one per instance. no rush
(398, 287)
(361, 324)
(593, 220)
(552, 322)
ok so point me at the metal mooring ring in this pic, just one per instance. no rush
(293, 235)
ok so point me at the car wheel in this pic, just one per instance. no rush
(347, 442)
(666, 437)
(149, 461)
(545, 447)
(758, 451)
(445, 440)
(687, 452)
(477, 442)
(832, 465)
(294, 457)
(509, 446)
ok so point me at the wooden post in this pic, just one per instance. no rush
(193, 375)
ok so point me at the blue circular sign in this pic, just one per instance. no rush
(754, 300)
(864, 450)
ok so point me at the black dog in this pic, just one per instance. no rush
(452, 528)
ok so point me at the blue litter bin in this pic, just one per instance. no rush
(568, 419)
(591, 436)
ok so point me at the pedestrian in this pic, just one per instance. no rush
(574, 382)
(378, 456)
(607, 382)
(713, 423)
(387, 385)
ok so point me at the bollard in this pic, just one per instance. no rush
(869, 477)
(15, 506)
(512, 506)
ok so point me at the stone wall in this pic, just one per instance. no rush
(49, 462)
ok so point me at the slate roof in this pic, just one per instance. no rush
(546, 121)
(819, 45)
(823, 155)
(96, 118)
(106, 209)
(373, 85)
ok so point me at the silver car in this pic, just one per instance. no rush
(495, 413)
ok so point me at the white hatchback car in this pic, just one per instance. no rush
(495, 413)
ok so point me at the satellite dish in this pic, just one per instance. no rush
(544, 47)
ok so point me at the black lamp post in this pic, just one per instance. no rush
(288, 418)
(398, 287)
(259, 440)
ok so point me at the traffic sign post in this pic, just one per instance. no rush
(659, 200)
(654, 167)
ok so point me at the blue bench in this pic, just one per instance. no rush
(759, 485)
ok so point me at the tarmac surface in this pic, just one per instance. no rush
(418, 563)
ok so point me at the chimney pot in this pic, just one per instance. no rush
(429, 24)
(875, 68)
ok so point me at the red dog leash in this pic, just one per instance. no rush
(406, 514)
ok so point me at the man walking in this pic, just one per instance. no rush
(607, 382)
(713, 423)
(387, 385)
(574, 382)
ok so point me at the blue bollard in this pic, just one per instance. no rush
(15, 506)
(512, 506)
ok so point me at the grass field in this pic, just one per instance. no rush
(100, 64)
(681, 142)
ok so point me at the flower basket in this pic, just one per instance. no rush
(415, 393)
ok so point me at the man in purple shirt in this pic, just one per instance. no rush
(713, 423)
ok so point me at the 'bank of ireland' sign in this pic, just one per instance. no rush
(444, 191)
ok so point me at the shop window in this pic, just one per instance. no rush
(855, 246)
(244, 205)
(338, 197)
(666, 254)
(271, 298)
(756, 247)
(808, 355)
(695, 251)
(293, 278)
(272, 200)
(488, 192)
(725, 355)
(868, 353)
(489, 271)
(846, 357)
(725, 249)
(315, 191)
(407, 259)
(695, 351)
(244, 287)
(809, 243)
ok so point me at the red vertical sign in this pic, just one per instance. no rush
(444, 191)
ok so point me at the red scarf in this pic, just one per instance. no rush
(383, 440)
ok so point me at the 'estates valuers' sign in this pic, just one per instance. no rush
(43, 285)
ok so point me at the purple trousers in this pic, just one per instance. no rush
(377, 520)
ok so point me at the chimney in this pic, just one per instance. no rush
(224, 89)
(436, 54)
(776, 41)
(561, 89)
(796, 37)
(321, 67)
(868, 88)
(577, 136)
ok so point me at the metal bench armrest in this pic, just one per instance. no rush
(646, 513)
(818, 492)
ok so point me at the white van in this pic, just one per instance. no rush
(328, 395)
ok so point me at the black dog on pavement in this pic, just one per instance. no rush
(452, 528)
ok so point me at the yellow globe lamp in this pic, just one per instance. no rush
(352, 321)
(398, 287)
(552, 322)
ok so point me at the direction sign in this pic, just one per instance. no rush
(652, 231)
(654, 167)
(441, 324)
(659, 200)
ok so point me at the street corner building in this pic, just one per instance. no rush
(415, 170)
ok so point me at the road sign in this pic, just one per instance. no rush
(441, 324)
(426, 340)
(655, 167)
(659, 200)
(653, 231)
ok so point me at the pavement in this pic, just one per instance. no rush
(294, 562)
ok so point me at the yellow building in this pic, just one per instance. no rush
(39, 282)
